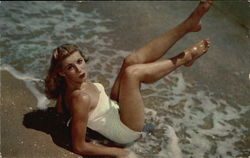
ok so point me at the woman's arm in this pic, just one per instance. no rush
(80, 108)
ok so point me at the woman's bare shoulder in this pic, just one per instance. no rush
(79, 106)
(79, 99)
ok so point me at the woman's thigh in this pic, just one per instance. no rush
(131, 59)
(130, 99)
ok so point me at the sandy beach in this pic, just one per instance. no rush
(25, 130)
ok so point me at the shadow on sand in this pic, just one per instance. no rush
(50, 122)
(54, 124)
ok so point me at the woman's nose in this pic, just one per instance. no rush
(78, 68)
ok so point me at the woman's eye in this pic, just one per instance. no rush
(69, 67)
(79, 61)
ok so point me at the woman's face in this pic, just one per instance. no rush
(74, 68)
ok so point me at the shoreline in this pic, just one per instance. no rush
(24, 131)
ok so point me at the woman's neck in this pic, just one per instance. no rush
(72, 86)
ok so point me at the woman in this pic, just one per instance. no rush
(120, 118)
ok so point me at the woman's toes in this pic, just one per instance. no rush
(208, 43)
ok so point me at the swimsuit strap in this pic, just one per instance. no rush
(68, 122)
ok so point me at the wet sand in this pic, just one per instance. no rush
(25, 130)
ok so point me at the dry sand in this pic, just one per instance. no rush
(25, 130)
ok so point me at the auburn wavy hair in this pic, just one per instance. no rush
(54, 83)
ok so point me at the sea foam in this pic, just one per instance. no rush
(42, 101)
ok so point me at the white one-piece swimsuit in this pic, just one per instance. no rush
(105, 119)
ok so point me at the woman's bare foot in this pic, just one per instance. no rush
(193, 22)
(196, 51)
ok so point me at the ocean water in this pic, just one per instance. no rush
(201, 111)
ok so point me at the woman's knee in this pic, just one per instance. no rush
(131, 59)
(139, 73)
(133, 72)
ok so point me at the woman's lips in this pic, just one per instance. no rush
(82, 76)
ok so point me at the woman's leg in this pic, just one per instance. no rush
(130, 99)
(157, 47)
